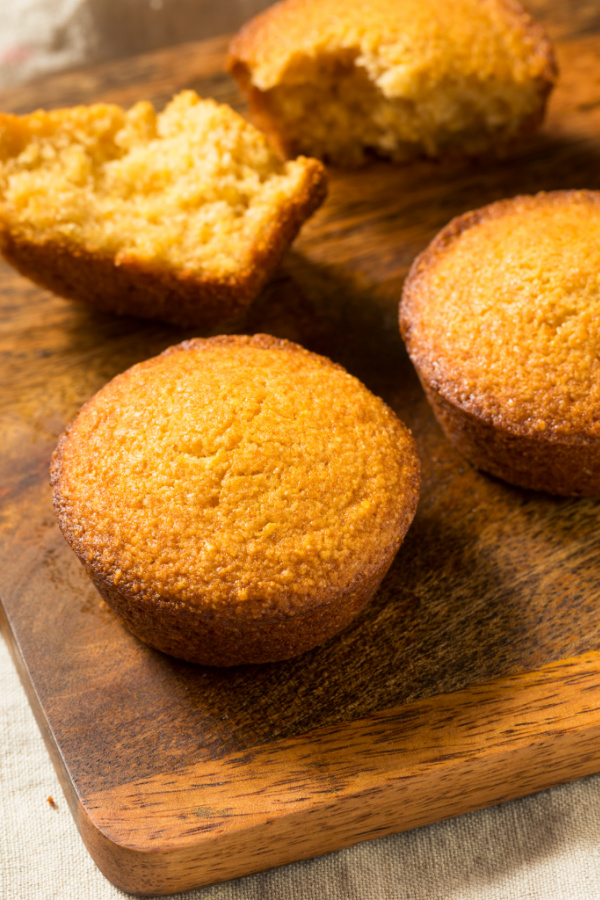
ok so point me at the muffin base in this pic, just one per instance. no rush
(128, 289)
(220, 638)
(567, 468)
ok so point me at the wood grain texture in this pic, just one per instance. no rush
(466, 642)
(399, 769)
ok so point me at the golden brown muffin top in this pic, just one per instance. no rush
(235, 470)
(502, 314)
(407, 46)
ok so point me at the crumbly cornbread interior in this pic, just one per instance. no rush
(236, 474)
(505, 319)
(420, 76)
(195, 188)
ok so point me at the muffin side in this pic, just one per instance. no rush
(180, 216)
(212, 640)
(498, 316)
(415, 78)
(261, 498)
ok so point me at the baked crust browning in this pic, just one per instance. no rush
(212, 638)
(566, 468)
(235, 500)
(499, 315)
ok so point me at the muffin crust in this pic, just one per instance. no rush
(500, 318)
(235, 499)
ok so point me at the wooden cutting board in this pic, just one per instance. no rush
(474, 675)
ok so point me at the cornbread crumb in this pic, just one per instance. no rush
(501, 316)
(241, 497)
(179, 216)
(397, 78)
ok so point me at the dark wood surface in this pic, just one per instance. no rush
(492, 591)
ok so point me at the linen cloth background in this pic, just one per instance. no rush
(41, 36)
(542, 847)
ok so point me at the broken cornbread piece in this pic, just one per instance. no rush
(236, 499)
(501, 318)
(180, 216)
(394, 78)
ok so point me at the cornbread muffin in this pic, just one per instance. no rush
(501, 318)
(235, 499)
(180, 216)
(395, 78)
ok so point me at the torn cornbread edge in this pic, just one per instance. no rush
(301, 56)
(127, 283)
